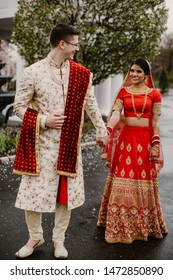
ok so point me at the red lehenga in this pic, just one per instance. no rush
(130, 208)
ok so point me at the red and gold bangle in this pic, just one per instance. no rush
(155, 140)
(155, 137)
(109, 130)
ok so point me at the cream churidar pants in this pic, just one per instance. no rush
(62, 219)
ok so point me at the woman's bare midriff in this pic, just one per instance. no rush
(132, 121)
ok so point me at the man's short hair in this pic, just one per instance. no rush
(61, 32)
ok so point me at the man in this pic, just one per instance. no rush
(51, 99)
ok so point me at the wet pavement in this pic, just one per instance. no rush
(84, 240)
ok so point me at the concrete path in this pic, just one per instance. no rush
(84, 240)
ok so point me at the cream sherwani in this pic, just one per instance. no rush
(43, 88)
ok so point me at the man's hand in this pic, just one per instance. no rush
(55, 120)
(102, 141)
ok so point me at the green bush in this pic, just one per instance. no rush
(170, 78)
(8, 139)
(163, 82)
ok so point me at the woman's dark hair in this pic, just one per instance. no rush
(143, 64)
(61, 32)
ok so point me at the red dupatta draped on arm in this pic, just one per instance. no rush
(27, 154)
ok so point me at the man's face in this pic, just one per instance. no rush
(71, 46)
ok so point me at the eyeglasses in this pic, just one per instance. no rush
(75, 45)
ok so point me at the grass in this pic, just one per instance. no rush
(8, 140)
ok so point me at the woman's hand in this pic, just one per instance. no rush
(154, 153)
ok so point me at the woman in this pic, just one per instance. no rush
(130, 207)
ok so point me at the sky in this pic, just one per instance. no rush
(169, 5)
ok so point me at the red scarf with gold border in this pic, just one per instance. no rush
(27, 157)
(27, 153)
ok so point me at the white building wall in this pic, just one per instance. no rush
(8, 8)
(116, 83)
(106, 91)
(103, 95)
(19, 68)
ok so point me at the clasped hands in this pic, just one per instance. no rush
(55, 120)
(102, 141)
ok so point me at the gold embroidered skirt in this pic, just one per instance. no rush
(130, 208)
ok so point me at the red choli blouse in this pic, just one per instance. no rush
(152, 106)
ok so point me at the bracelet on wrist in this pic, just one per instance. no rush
(156, 142)
(156, 135)
(109, 130)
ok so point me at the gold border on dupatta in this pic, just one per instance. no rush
(66, 173)
(37, 131)
(82, 120)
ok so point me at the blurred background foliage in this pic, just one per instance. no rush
(113, 32)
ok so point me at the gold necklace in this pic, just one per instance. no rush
(134, 108)
(143, 89)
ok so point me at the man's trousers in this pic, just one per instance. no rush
(62, 219)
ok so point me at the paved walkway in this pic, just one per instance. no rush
(84, 240)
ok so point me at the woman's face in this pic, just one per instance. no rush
(137, 74)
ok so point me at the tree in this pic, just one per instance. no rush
(168, 45)
(163, 82)
(113, 32)
(164, 59)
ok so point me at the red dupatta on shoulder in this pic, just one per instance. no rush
(27, 154)
(79, 85)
